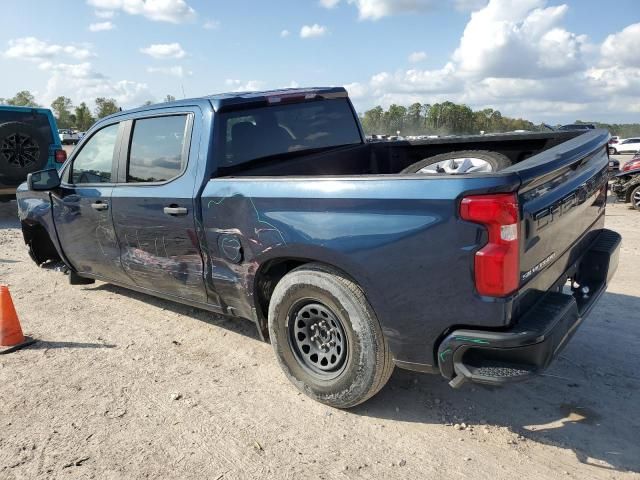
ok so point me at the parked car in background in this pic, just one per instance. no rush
(68, 136)
(29, 142)
(629, 145)
(577, 126)
(633, 164)
(626, 184)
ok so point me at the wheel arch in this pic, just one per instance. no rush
(272, 270)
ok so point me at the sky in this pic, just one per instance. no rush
(543, 60)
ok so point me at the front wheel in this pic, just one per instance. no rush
(635, 198)
(327, 338)
(612, 151)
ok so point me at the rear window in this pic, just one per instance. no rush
(36, 120)
(275, 130)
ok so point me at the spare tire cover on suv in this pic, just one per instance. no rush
(23, 150)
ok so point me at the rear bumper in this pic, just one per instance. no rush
(499, 357)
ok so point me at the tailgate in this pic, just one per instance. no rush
(563, 197)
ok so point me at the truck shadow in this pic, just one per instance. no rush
(586, 402)
(8, 213)
(236, 325)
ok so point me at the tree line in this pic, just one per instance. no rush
(444, 118)
(67, 115)
(448, 118)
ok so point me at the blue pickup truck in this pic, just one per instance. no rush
(29, 142)
(473, 257)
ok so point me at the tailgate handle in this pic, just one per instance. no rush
(100, 206)
(175, 211)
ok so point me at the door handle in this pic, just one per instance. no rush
(175, 211)
(100, 206)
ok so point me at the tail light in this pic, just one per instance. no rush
(60, 156)
(632, 165)
(497, 264)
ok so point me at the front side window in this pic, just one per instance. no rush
(156, 153)
(93, 163)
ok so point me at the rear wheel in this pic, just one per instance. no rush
(23, 150)
(457, 163)
(327, 338)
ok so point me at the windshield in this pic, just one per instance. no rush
(275, 130)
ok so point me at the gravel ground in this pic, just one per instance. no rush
(123, 385)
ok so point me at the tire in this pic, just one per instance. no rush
(612, 151)
(23, 150)
(494, 162)
(635, 198)
(364, 364)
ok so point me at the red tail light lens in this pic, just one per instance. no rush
(497, 264)
(632, 165)
(61, 156)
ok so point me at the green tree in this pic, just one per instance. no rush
(105, 107)
(394, 118)
(23, 98)
(84, 119)
(61, 107)
(169, 98)
(372, 120)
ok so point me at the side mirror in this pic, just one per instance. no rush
(43, 180)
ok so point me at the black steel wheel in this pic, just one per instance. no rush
(317, 338)
(23, 150)
(327, 337)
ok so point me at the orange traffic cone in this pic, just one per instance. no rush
(11, 336)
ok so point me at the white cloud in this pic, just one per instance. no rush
(211, 25)
(376, 9)
(518, 57)
(164, 50)
(107, 14)
(240, 86)
(469, 5)
(82, 83)
(521, 39)
(417, 57)
(623, 47)
(176, 71)
(285, 33)
(329, 3)
(101, 26)
(312, 31)
(31, 48)
(173, 11)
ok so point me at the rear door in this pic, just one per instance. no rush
(153, 206)
(82, 206)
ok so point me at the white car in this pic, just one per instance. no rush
(68, 137)
(629, 145)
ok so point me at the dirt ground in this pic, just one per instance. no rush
(123, 385)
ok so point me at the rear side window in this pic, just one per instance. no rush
(157, 146)
(290, 128)
(94, 162)
(36, 120)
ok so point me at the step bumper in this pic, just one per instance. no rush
(500, 357)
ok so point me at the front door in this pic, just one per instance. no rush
(153, 208)
(82, 207)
